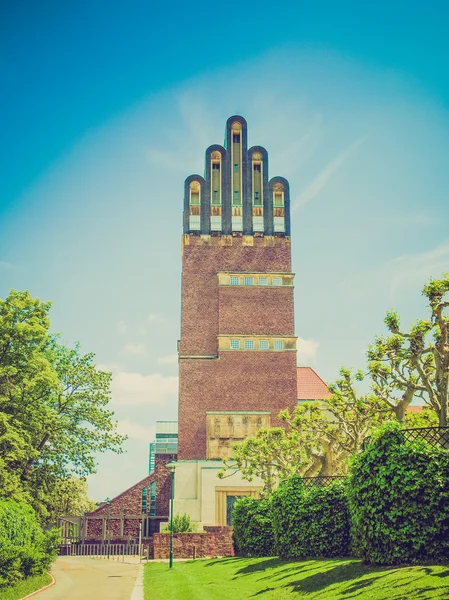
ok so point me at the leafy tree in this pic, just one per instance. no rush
(53, 405)
(415, 363)
(69, 497)
(317, 440)
(272, 454)
(426, 418)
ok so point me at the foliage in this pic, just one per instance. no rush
(271, 454)
(69, 497)
(426, 418)
(415, 363)
(252, 527)
(53, 405)
(398, 494)
(339, 426)
(317, 440)
(182, 524)
(25, 549)
(276, 579)
(310, 523)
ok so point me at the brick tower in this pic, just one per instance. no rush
(237, 352)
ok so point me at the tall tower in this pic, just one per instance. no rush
(237, 352)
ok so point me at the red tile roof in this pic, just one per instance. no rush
(310, 385)
(414, 409)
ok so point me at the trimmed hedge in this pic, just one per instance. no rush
(252, 528)
(25, 549)
(311, 523)
(399, 500)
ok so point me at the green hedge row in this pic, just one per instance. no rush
(294, 523)
(253, 531)
(399, 500)
(393, 509)
(25, 549)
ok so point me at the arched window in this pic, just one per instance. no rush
(278, 208)
(215, 192)
(236, 176)
(195, 206)
(257, 187)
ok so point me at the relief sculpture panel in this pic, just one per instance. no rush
(225, 429)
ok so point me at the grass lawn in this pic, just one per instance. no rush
(25, 587)
(271, 578)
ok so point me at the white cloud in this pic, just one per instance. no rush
(171, 359)
(307, 350)
(153, 318)
(135, 389)
(315, 187)
(136, 431)
(413, 270)
(4, 264)
(134, 349)
(121, 327)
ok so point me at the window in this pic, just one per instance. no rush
(152, 499)
(264, 345)
(257, 168)
(248, 281)
(144, 502)
(256, 195)
(216, 197)
(236, 138)
(235, 344)
(234, 280)
(216, 166)
(236, 195)
(276, 281)
(249, 344)
(263, 280)
(236, 168)
(278, 344)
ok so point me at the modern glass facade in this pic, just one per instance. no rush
(165, 442)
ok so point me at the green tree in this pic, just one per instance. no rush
(415, 363)
(53, 405)
(272, 454)
(68, 497)
(317, 439)
(339, 424)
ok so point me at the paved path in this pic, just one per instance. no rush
(82, 578)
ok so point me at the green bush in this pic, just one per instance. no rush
(399, 500)
(25, 549)
(252, 527)
(182, 524)
(311, 523)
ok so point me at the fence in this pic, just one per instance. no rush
(438, 437)
(321, 480)
(101, 550)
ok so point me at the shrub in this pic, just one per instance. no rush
(182, 524)
(311, 523)
(252, 527)
(25, 549)
(398, 494)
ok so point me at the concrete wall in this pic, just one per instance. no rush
(197, 489)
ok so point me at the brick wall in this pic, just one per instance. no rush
(258, 311)
(131, 501)
(215, 541)
(199, 324)
(240, 380)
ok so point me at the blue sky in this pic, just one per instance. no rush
(107, 107)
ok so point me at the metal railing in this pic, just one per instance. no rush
(114, 551)
(321, 480)
(438, 437)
